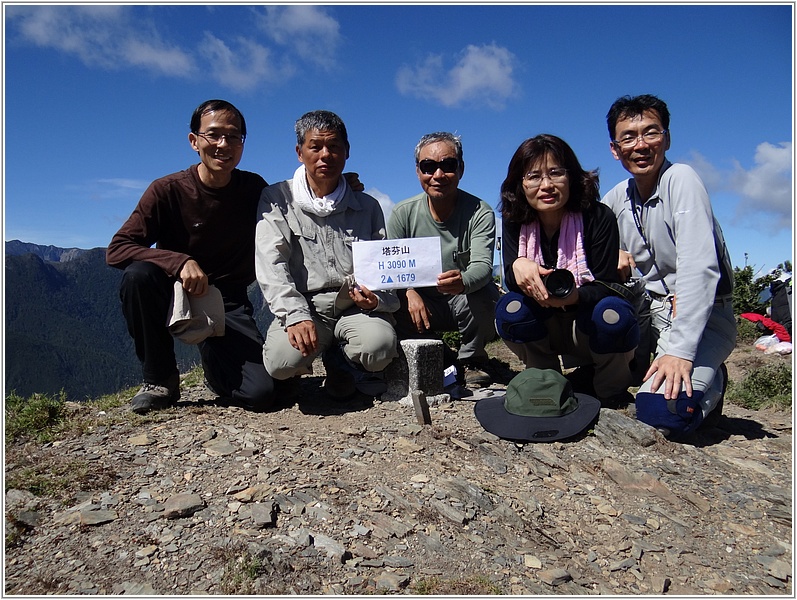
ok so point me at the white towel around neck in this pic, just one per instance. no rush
(308, 201)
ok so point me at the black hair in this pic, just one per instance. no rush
(212, 106)
(584, 188)
(634, 106)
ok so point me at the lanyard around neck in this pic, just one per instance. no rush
(638, 223)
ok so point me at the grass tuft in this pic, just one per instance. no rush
(768, 386)
(37, 417)
(241, 570)
(469, 586)
(58, 477)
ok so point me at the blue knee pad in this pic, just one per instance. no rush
(520, 319)
(680, 416)
(611, 326)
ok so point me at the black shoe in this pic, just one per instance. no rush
(582, 378)
(344, 378)
(339, 383)
(616, 401)
(370, 384)
(212, 389)
(712, 419)
(155, 396)
(286, 390)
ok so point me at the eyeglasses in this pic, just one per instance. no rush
(649, 137)
(534, 179)
(447, 165)
(233, 139)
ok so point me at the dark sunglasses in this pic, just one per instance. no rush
(447, 165)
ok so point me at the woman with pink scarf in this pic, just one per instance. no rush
(558, 241)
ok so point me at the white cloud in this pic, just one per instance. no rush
(161, 59)
(101, 36)
(241, 70)
(307, 30)
(118, 37)
(118, 192)
(127, 184)
(765, 190)
(767, 187)
(481, 76)
(384, 201)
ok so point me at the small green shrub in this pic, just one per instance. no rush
(747, 289)
(746, 331)
(37, 417)
(241, 570)
(452, 339)
(194, 377)
(110, 401)
(767, 386)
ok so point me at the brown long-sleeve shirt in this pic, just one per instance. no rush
(183, 219)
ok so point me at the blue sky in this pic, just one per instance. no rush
(97, 98)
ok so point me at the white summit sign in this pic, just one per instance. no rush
(393, 264)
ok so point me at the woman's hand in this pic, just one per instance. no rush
(554, 302)
(528, 275)
(353, 179)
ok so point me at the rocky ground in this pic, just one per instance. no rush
(359, 498)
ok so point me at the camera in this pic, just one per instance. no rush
(560, 283)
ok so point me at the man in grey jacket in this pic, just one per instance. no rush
(668, 232)
(304, 266)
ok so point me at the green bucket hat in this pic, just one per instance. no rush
(539, 406)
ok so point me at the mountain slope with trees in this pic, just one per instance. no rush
(64, 328)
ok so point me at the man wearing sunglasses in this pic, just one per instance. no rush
(201, 222)
(668, 233)
(465, 296)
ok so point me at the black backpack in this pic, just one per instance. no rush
(781, 303)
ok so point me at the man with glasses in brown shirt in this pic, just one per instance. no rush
(201, 222)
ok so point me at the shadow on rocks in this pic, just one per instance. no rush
(228, 402)
(312, 400)
(725, 428)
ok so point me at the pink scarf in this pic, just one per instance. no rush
(570, 254)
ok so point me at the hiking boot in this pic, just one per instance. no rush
(475, 376)
(154, 396)
(345, 378)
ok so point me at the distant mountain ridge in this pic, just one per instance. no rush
(48, 253)
(64, 328)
